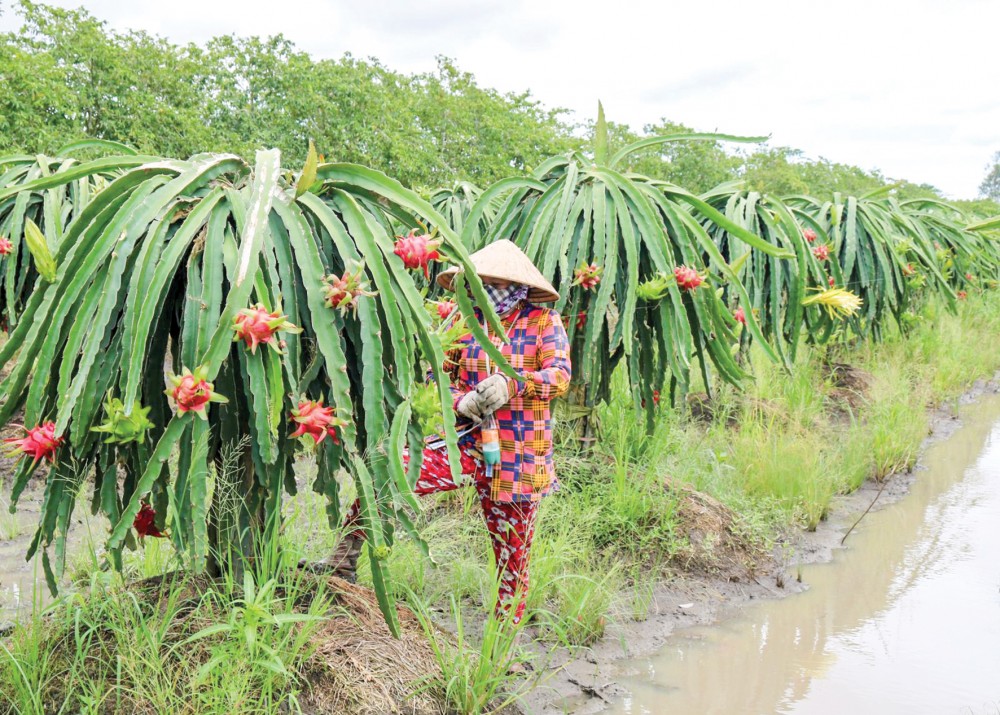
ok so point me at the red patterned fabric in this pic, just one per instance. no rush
(539, 351)
(511, 525)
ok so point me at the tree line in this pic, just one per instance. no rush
(65, 75)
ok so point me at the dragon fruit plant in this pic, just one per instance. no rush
(184, 269)
(874, 245)
(602, 235)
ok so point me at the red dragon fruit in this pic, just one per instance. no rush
(342, 292)
(830, 282)
(909, 270)
(5, 246)
(192, 393)
(417, 251)
(740, 315)
(962, 295)
(145, 522)
(687, 278)
(256, 325)
(968, 277)
(809, 235)
(38, 443)
(822, 252)
(316, 421)
(587, 276)
(581, 320)
(446, 308)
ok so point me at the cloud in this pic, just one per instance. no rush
(710, 80)
(431, 19)
(911, 87)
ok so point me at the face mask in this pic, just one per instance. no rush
(506, 299)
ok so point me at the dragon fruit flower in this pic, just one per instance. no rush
(256, 325)
(822, 252)
(687, 278)
(587, 276)
(5, 246)
(38, 443)
(192, 392)
(740, 315)
(316, 421)
(809, 235)
(145, 523)
(342, 292)
(417, 251)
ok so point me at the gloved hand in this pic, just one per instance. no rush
(469, 406)
(493, 394)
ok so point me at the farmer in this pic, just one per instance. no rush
(538, 350)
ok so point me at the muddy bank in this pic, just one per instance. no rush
(587, 682)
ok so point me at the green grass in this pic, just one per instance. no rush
(224, 649)
(476, 675)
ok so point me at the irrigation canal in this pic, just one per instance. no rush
(905, 620)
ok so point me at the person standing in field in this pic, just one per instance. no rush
(538, 349)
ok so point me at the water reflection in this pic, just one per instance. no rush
(906, 620)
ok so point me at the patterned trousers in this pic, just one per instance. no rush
(511, 526)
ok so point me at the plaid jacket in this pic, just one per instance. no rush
(539, 351)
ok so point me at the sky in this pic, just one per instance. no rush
(908, 87)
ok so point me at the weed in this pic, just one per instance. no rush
(479, 678)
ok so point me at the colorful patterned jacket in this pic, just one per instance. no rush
(539, 351)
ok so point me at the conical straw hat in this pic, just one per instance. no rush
(506, 262)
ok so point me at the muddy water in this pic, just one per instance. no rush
(904, 620)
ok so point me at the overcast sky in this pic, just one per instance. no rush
(909, 87)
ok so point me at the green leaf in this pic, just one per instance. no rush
(308, 176)
(987, 225)
(600, 137)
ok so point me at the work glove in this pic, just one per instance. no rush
(493, 394)
(469, 406)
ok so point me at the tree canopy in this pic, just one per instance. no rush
(65, 76)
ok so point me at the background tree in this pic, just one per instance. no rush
(67, 76)
(990, 188)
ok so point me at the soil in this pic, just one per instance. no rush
(583, 682)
